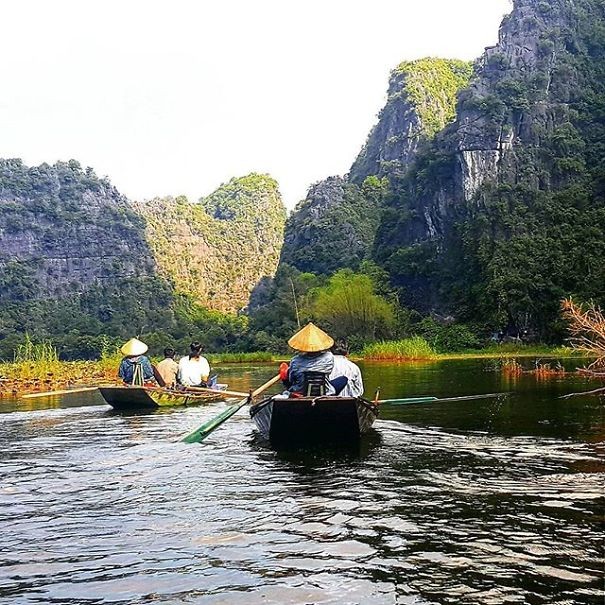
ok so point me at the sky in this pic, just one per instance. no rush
(172, 98)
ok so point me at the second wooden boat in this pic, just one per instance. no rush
(125, 397)
(314, 419)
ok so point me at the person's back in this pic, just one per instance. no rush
(135, 368)
(193, 369)
(344, 368)
(348, 369)
(313, 357)
(321, 362)
(168, 368)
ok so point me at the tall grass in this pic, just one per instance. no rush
(34, 361)
(409, 349)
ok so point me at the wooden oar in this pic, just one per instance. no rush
(414, 400)
(63, 392)
(217, 391)
(208, 427)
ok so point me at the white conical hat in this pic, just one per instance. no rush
(134, 347)
(311, 339)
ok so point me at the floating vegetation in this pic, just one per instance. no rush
(511, 368)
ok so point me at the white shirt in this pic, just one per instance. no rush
(193, 372)
(344, 367)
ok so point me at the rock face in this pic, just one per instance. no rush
(218, 249)
(80, 264)
(421, 101)
(521, 161)
(63, 230)
(334, 227)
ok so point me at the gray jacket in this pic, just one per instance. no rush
(310, 362)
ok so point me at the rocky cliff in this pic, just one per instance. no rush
(216, 250)
(62, 229)
(334, 227)
(504, 213)
(421, 101)
(79, 262)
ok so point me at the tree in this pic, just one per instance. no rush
(349, 306)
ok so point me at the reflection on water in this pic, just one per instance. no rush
(474, 502)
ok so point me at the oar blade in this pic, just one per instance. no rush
(208, 427)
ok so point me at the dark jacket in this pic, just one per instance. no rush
(126, 371)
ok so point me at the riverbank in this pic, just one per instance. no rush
(50, 374)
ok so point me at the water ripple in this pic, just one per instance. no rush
(97, 507)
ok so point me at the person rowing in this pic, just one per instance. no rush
(136, 368)
(309, 370)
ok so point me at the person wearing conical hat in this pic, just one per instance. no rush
(313, 346)
(135, 369)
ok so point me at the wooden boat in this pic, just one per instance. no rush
(125, 397)
(313, 419)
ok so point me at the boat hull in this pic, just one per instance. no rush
(124, 397)
(309, 420)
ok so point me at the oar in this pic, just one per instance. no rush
(413, 400)
(216, 391)
(208, 427)
(63, 392)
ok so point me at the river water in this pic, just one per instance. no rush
(478, 502)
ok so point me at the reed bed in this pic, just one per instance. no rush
(409, 349)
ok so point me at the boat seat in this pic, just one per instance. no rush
(314, 384)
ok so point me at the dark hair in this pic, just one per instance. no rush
(196, 348)
(169, 352)
(340, 347)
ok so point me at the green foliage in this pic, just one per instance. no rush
(218, 249)
(335, 226)
(348, 306)
(432, 85)
(534, 231)
(447, 337)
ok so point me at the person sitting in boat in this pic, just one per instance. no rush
(168, 368)
(136, 369)
(193, 368)
(309, 370)
(343, 367)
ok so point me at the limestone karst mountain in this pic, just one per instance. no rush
(79, 261)
(334, 226)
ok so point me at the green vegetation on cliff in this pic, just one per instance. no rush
(218, 249)
(504, 214)
(432, 86)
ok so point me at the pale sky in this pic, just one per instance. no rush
(176, 97)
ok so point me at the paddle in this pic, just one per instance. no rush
(218, 391)
(208, 427)
(63, 392)
(414, 400)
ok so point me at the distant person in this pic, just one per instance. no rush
(314, 362)
(136, 369)
(168, 368)
(343, 367)
(193, 368)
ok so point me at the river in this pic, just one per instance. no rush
(478, 502)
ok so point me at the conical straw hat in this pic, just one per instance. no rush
(311, 339)
(134, 347)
